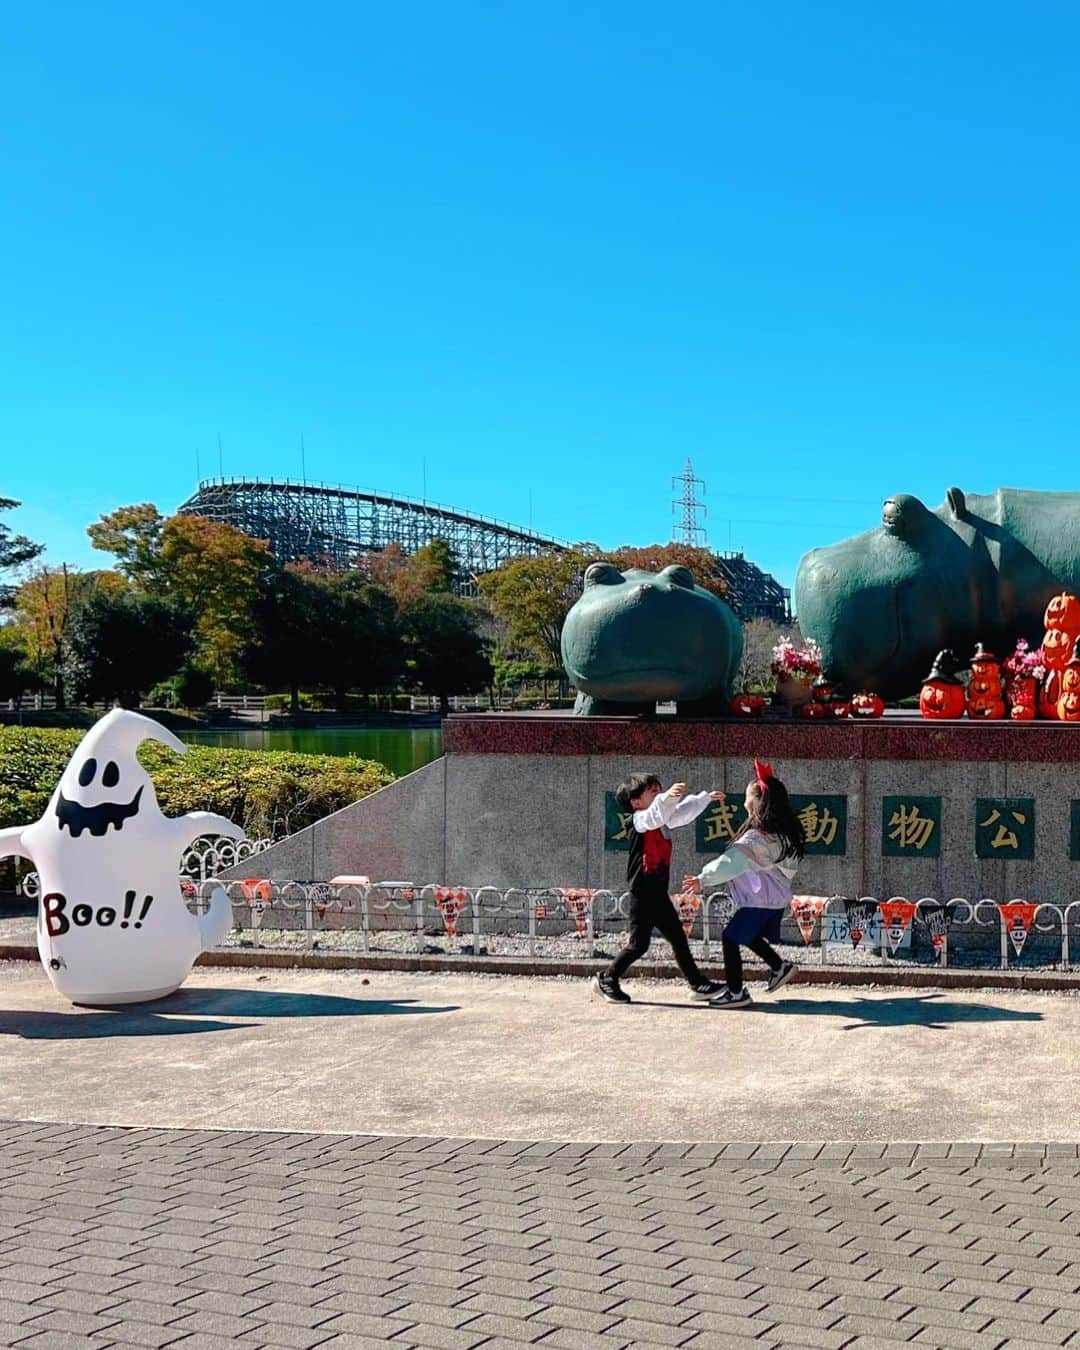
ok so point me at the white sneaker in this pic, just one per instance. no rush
(780, 977)
(729, 1000)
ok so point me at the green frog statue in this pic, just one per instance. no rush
(637, 638)
(974, 569)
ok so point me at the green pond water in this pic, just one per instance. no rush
(401, 750)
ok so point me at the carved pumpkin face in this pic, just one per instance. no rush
(1057, 648)
(747, 705)
(985, 684)
(1070, 678)
(1022, 712)
(940, 699)
(1049, 695)
(990, 707)
(813, 711)
(1063, 613)
(838, 707)
(1069, 706)
(867, 705)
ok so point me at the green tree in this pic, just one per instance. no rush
(15, 672)
(447, 653)
(532, 596)
(45, 605)
(119, 645)
(133, 534)
(408, 576)
(362, 638)
(286, 647)
(15, 549)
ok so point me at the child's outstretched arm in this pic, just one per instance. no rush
(732, 863)
(690, 807)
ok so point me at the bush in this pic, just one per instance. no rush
(271, 793)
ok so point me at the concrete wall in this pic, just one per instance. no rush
(536, 819)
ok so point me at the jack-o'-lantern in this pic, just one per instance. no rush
(942, 694)
(1058, 648)
(814, 711)
(990, 707)
(748, 705)
(1068, 708)
(1022, 712)
(1063, 614)
(984, 684)
(838, 707)
(866, 704)
(1049, 695)
(984, 664)
(1070, 677)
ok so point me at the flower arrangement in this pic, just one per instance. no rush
(790, 662)
(1025, 663)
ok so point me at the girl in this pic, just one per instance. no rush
(757, 867)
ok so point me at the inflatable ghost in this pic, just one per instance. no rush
(112, 923)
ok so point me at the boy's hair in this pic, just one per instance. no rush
(775, 816)
(634, 786)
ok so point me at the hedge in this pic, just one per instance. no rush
(271, 793)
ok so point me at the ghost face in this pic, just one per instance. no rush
(104, 787)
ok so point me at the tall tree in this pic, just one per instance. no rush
(45, 604)
(286, 646)
(15, 549)
(447, 653)
(532, 596)
(133, 534)
(15, 672)
(119, 645)
(407, 576)
(363, 638)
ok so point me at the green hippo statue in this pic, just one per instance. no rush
(635, 638)
(975, 569)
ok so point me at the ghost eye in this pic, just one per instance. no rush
(111, 776)
(86, 773)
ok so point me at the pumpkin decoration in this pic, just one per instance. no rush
(1070, 677)
(1058, 646)
(990, 707)
(866, 704)
(985, 696)
(1049, 695)
(942, 695)
(814, 711)
(1063, 614)
(748, 705)
(838, 707)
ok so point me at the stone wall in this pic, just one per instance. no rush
(520, 801)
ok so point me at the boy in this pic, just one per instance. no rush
(647, 870)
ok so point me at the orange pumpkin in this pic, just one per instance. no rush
(748, 705)
(813, 711)
(1063, 614)
(942, 698)
(1049, 695)
(1058, 648)
(838, 707)
(866, 704)
(1070, 677)
(990, 707)
(985, 684)
(1068, 708)
(1022, 712)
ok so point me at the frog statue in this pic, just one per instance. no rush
(974, 569)
(635, 638)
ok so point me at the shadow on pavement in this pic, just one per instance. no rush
(189, 1012)
(916, 1010)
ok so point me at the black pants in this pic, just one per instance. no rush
(651, 911)
(733, 960)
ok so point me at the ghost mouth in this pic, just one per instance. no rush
(96, 819)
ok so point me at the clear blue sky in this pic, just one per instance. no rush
(828, 251)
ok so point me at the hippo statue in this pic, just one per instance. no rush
(635, 638)
(975, 569)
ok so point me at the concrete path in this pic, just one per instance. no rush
(200, 1241)
(515, 1058)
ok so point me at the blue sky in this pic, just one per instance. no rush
(533, 257)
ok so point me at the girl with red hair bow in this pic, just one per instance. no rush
(757, 867)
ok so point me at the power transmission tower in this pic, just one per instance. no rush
(690, 532)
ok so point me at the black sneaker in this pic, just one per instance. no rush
(729, 1000)
(608, 987)
(707, 989)
(780, 977)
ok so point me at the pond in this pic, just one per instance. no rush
(401, 749)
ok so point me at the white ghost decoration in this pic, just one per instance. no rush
(112, 923)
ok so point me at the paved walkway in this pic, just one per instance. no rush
(209, 1241)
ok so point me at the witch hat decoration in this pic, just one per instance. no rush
(944, 669)
(983, 654)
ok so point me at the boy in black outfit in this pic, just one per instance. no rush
(648, 866)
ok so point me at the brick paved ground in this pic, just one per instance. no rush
(208, 1240)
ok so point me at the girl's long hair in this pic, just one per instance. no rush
(774, 816)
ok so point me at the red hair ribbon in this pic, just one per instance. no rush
(762, 772)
